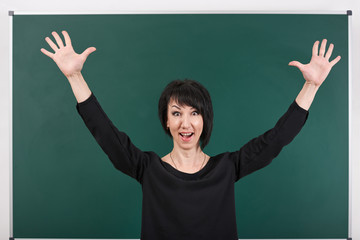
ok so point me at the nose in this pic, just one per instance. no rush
(185, 123)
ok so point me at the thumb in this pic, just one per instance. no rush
(296, 64)
(87, 52)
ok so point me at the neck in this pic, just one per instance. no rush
(188, 158)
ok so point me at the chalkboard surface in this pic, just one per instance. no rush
(65, 187)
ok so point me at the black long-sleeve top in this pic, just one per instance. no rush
(178, 205)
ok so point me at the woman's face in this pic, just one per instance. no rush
(185, 124)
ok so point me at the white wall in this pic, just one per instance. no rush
(182, 5)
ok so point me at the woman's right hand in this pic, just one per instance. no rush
(68, 61)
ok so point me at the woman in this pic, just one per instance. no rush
(188, 194)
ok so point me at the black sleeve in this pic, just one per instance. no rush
(117, 145)
(260, 151)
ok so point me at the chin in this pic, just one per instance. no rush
(188, 146)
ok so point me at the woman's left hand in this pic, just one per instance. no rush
(319, 67)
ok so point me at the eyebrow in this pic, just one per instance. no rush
(176, 107)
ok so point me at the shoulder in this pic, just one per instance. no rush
(166, 159)
(224, 155)
(223, 158)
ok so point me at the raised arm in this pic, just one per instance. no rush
(116, 144)
(260, 151)
(70, 64)
(314, 72)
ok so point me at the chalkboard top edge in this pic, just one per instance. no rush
(338, 12)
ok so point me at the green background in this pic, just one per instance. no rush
(65, 187)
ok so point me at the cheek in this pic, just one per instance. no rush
(172, 123)
(168, 121)
(199, 124)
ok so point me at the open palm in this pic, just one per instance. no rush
(68, 61)
(319, 67)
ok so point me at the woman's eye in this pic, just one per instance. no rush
(176, 114)
(195, 113)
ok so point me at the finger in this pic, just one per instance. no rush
(329, 52)
(67, 38)
(296, 64)
(315, 48)
(58, 39)
(51, 44)
(335, 61)
(322, 48)
(87, 52)
(47, 53)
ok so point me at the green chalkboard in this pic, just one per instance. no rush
(65, 187)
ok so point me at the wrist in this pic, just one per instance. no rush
(306, 95)
(79, 86)
(311, 86)
(74, 77)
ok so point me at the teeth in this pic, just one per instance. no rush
(186, 134)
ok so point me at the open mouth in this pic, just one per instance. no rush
(186, 136)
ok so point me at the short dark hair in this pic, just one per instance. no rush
(191, 93)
